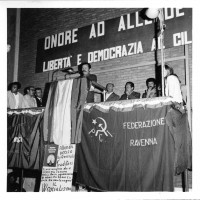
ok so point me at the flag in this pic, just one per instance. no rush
(64, 111)
(25, 144)
(126, 150)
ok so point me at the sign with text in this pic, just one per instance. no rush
(126, 151)
(123, 36)
(57, 171)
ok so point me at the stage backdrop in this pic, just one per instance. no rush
(132, 146)
(122, 36)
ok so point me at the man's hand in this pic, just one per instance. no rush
(91, 88)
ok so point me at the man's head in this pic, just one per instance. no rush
(30, 91)
(109, 87)
(84, 68)
(129, 87)
(168, 70)
(14, 87)
(38, 92)
(151, 82)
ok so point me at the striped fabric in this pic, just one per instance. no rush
(64, 111)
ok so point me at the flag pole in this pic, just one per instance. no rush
(161, 18)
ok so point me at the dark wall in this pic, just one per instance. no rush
(11, 21)
(39, 23)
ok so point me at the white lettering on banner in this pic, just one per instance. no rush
(74, 35)
(70, 36)
(180, 39)
(115, 52)
(147, 22)
(57, 64)
(138, 24)
(178, 13)
(79, 59)
(139, 48)
(121, 24)
(61, 39)
(170, 13)
(100, 129)
(144, 124)
(129, 26)
(153, 46)
(100, 30)
(17, 139)
(143, 142)
(59, 178)
(92, 32)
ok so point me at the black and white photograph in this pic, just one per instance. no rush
(102, 96)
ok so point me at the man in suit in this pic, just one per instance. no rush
(38, 97)
(110, 95)
(129, 93)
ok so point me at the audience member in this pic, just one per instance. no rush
(110, 95)
(38, 97)
(129, 92)
(29, 100)
(151, 88)
(14, 98)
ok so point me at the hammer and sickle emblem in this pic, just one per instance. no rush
(103, 127)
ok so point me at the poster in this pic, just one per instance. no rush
(58, 167)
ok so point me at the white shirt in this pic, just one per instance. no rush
(108, 94)
(29, 101)
(173, 88)
(16, 100)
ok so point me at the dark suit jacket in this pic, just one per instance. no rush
(39, 103)
(90, 95)
(113, 97)
(133, 95)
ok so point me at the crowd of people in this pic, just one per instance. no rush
(33, 96)
(172, 86)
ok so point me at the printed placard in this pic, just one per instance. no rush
(57, 176)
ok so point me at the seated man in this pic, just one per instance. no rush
(129, 93)
(151, 88)
(14, 98)
(110, 95)
(38, 97)
(29, 100)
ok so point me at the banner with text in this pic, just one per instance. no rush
(114, 38)
(58, 168)
(126, 151)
